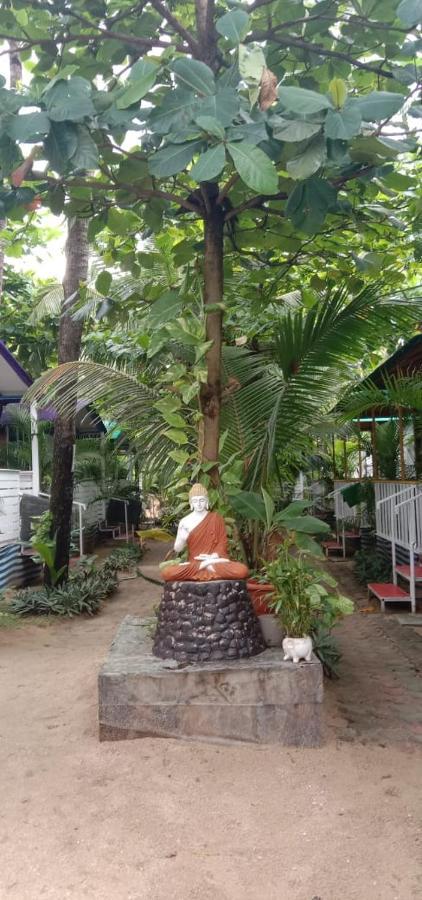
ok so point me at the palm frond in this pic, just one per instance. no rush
(314, 352)
(397, 392)
(117, 396)
(49, 302)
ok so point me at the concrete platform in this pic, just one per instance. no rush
(263, 699)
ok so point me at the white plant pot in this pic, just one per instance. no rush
(297, 648)
(271, 630)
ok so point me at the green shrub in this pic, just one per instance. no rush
(124, 557)
(370, 566)
(83, 593)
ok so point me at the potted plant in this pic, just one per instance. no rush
(303, 601)
(263, 531)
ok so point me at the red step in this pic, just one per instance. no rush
(386, 592)
(329, 546)
(404, 571)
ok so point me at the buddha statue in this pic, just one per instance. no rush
(204, 533)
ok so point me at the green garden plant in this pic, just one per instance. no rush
(306, 600)
(259, 521)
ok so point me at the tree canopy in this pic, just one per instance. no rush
(265, 139)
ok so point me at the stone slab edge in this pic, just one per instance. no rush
(260, 700)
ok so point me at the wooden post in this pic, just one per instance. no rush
(401, 444)
(333, 448)
(374, 447)
(359, 454)
(345, 460)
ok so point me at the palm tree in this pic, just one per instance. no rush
(273, 399)
(288, 390)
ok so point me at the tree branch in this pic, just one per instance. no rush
(257, 202)
(141, 194)
(253, 203)
(140, 43)
(291, 41)
(176, 25)
(226, 188)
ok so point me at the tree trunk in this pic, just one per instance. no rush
(210, 395)
(70, 335)
(417, 434)
(15, 75)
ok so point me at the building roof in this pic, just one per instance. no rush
(405, 361)
(14, 381)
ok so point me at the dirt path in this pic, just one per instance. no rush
(379, 695)
(163, 820)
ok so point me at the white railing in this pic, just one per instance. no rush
(86, 492)
(342, 510)
(391, 499)
(80, 510)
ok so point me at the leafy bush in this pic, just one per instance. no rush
(41, 527)
(83, 593)
(44, 545)
(306, 601)
(370, 566)
(124, 557)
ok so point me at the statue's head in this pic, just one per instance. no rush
(198, 498)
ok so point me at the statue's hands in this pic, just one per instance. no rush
(208, 559)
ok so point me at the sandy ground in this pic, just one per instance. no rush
(165, 820)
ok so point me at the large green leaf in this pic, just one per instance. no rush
(309, 202)
(306, 524)
(302, 101)
(29, 127)
(249, 505)
(379, 105)
(234, 25)
(293, 509)
(142, 77)
(10, 155)
(209, 164)
(254, 167)
(251, 62)
(293, 130)
(269, 507)
(103, 282)
(61, 144)
(176, 110)
(251, 132)
(176, 436)
(308, 545)
(210, 125)
(122, 221)
(410, 12)
(69, 100)
(86, 153)
(222, 106)
(173, 159)
(341, 125)
(309, 161)
(196, 75)
(165, 309)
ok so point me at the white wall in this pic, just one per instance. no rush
(12, 484)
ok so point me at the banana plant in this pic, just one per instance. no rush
(258, 520)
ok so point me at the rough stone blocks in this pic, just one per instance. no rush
(200, 621)
(261, 699)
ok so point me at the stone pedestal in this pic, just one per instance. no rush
(261, 699)
(201, 621)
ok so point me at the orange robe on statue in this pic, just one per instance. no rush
(207, 537)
